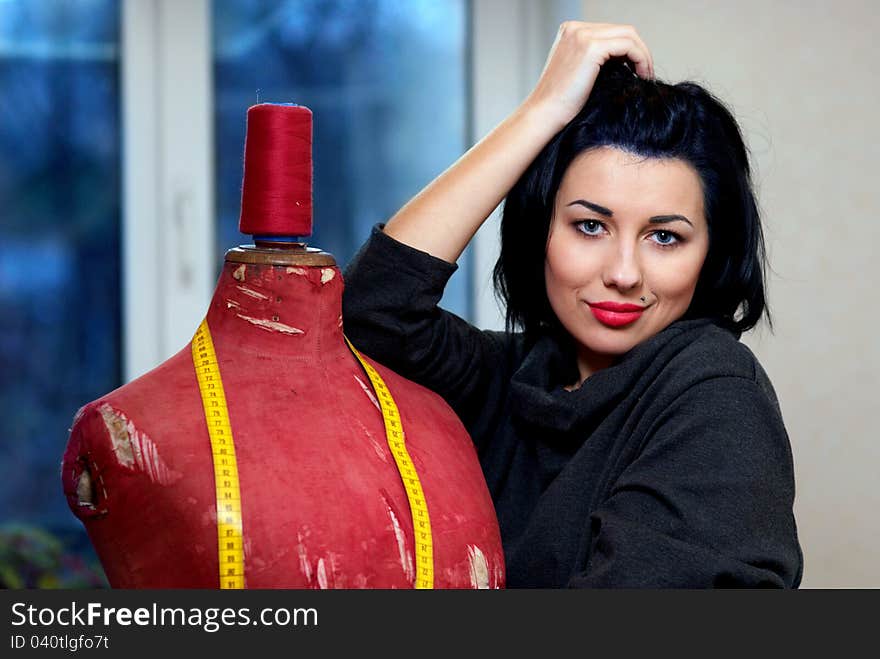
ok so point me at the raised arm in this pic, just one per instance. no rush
(442, 218)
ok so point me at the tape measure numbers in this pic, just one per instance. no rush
(424, 548)
(229, 526)
(229, 529)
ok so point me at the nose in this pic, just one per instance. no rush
(622, 268)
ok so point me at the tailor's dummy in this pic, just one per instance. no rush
(322, 501)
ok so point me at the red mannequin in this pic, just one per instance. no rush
(323, 505)
(322, 501)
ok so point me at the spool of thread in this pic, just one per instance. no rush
(276, 192)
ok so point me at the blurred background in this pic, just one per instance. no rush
(122, 129)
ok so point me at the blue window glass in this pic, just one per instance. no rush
(387, 85)
(59, 268)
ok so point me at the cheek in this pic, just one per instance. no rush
(677, 281)
(567, 265)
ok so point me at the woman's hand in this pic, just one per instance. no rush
(573, 64)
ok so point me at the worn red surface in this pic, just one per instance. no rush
(322, 501)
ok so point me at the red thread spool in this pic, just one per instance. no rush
(276, 193)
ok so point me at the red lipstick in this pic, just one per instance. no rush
(615, 314)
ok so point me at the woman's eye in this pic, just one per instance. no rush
(590, 227)
(665, 238)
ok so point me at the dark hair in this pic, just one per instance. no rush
(656, 120)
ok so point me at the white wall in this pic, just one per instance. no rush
(802, 79)
(511, 40)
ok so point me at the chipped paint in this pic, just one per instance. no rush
(252, 293)
(499, 572)
(321, 574)
(405, 559)
(337, 578)
(271, 325)
(327, 274)
(232, 304)
(479, 568)
(134, 449)
(239, 273)
(304, 566)
(377, 447)
(119, 438)
(297, 271)
(339, 321)
(77, 417)
(85, 495)
(88, 482)
(209, 516)
(369, 392)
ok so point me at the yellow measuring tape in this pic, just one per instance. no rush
(397, 443)
(229, 526)
(229, 531)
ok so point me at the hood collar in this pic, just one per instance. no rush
(537, 387)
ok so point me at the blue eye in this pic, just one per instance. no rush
(589, 227)
(665, 238)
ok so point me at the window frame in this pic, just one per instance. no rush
(168, 179)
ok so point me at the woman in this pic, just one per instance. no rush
(626, 435)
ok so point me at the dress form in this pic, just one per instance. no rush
(322, 502)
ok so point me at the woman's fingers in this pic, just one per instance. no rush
(606, 48)
(574, 62)
(588, 33)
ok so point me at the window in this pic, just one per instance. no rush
(59, 253)
(387, 84)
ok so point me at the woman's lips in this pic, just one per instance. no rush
(616, 314)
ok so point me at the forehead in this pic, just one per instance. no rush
(631, 185)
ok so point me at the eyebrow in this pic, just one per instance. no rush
(656, 219)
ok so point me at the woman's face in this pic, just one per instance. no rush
(626, 230)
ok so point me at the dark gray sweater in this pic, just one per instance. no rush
(670, 469)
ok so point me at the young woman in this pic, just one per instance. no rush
(627, 437)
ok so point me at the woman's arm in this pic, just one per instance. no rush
(442, 218)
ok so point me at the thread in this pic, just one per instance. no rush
(276, 191)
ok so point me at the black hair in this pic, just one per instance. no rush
(652, 119)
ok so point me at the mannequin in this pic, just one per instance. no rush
(322, 503)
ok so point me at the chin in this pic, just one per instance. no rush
(610, 342)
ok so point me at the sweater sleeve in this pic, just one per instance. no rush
(708, 501)
(390, 311)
